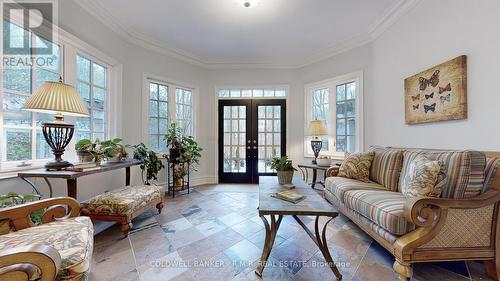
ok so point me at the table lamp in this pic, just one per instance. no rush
(59, 99)
(317, 128)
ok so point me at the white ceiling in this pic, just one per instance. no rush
(274, 33)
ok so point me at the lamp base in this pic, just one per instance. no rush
(57, 165)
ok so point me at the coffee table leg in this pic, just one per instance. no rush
(321, 239)
(268, 245)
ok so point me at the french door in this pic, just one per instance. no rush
(251, 132)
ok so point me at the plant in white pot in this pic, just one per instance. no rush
(284, 168)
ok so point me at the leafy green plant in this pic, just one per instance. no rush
(88, 150)
(281, 164)
(183, 148)
(13, 199)
(151, 164)
(113, 148)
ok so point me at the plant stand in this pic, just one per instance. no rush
(171, 178)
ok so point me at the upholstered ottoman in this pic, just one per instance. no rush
(124, 204)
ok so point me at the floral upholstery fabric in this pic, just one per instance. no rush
(338, 186)
(73, 238)
(421, 177)
(384, 208)
(464, 170)
(386, 166)
(357, 166)
(123, 201)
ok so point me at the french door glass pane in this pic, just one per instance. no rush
(234, 139)
(268, 135)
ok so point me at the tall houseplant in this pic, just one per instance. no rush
(151, 164)
(114, 150)
(284, 168)
(182, 150)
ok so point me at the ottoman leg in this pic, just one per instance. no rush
(159, 206)
(126, 226)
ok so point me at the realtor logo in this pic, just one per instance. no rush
(32, 17)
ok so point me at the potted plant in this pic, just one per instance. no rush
(88, 151)
(151, 164)
(13, 199)
(284, 168)
(182, 150)
(113, 150)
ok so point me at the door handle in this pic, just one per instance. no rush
(248, 147)
(254, 147)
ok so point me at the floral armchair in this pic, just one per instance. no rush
(58, 249)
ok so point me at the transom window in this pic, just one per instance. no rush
(92, 86)
(338, 102)
(167, 102)
(251, 93)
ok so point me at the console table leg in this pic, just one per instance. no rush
(268, 244)
(127, 176)
(71, 185)
(315, 175)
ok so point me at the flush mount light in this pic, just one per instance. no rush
(248, 3)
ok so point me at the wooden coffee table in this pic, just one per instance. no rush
(313, 205)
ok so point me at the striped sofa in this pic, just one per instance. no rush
(462, 224)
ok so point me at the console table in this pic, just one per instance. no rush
(72, 176)
(314, 167)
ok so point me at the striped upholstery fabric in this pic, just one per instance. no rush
(339, 185)
(391, 238)
(464, 170)
(384, 208)
(386, 166)
(490, 172)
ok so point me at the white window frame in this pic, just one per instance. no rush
(71, 46)
(331, 84)
(172, 86)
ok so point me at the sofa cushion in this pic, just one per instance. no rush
(337, 186)
(73, 238)
(386, 166)
(357, 166)
(385, 208)
(464, 170)
(123, 201)
(421, 178)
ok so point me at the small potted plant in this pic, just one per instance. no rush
(151, 164)
(88, 151)
(114, 151)
(284, 168)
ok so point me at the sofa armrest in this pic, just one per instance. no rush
(55, 209)
(23, 263)
(332, 172)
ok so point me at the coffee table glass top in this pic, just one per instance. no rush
(314, 204)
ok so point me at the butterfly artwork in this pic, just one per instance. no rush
(445, 98)
(438, 93)
(447, 88)
(433, 81)
(431, 107)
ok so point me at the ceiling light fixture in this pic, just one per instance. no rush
(248, 3)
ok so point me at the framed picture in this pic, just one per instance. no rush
(437, 94)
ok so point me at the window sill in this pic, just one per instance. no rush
(10, 173)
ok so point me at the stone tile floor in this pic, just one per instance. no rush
(215, 233)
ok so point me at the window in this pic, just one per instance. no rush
(338, 102)
(252, 93)
(92, 86)
(21, 137)
(184, 110)
(158, 115)
(166, 102)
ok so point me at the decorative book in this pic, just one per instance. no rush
(81, 167)
(288, 195)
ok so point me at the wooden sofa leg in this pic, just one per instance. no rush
(126, 226)
(492, 268)
(159, 206)
(403, 269)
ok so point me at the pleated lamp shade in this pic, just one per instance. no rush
(56, 98)
(317, 128)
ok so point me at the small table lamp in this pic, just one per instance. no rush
(59, 99)
(317, 128)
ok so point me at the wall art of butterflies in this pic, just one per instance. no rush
(438, 93)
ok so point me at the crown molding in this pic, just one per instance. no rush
(386, 20)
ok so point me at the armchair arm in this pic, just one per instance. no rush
(332, 172)
(55, 210)
(21, 263)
